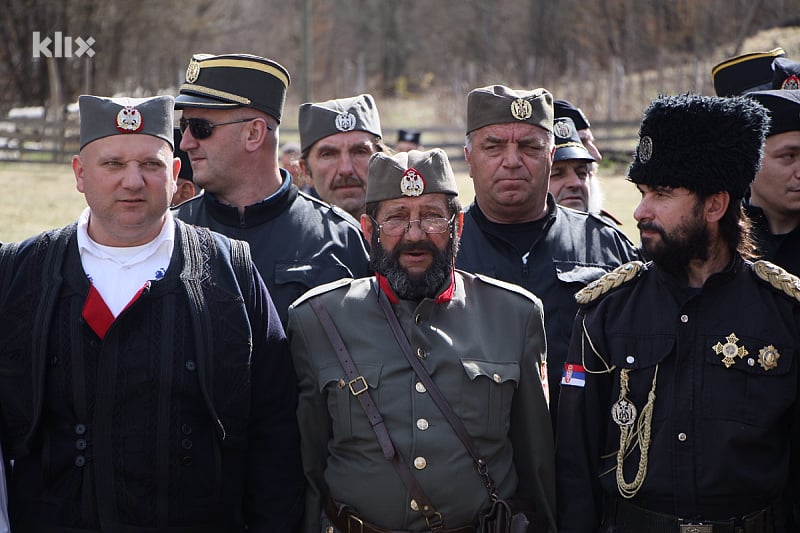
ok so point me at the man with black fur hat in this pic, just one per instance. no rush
(145, 380)
(481, 340)
(514, 230)
(232, 107)
(679, 398)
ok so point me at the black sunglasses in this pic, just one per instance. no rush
(202, 128)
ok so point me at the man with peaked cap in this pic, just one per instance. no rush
(679, 400)
(481, 340)
(184, 186)
(337, 138)
(146, 382)
(514, 230)
(232, 107)
(408, 140)
(569, 176)
(774, 202)
(745, 73)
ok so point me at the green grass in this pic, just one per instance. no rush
(39, 196)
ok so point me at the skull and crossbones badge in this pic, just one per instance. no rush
(129, 120)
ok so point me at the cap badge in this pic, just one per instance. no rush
(562, 129)
(193, 71)
(645, 149)
(345, 121)
(792, 83)
(129, 120)
(768, 357)
(521, 109)
(730, 349)
(412, 184)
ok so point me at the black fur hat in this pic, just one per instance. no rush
(706, 144)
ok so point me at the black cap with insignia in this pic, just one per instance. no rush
(784, 108)
(706, 144)
(568, 142)
(408, 136)
(785, 74)
(745, 73)
(234, 80)
(564, 108)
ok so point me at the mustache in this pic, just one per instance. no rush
(650, 226)
(346, 181)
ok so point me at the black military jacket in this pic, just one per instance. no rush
(573, 249)
(722, 362)
(783, 250)
(297, 242)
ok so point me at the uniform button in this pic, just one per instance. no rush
(630, 359)
(187, 460)
(496, 378)
(682, 437)
(420, 463)
(751, 361)
(80, 460)
(420, 387)
(80, 444)
(80, 429)
(417, 319)
(684, 318)
(414, 505)
(421, 353)
(186, 444)
(330, 529)
(422, 424)
(191, 366)
(186, 429)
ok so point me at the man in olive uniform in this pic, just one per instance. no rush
(679, 399)
(514, 230)
(481, 340)
(232, 107)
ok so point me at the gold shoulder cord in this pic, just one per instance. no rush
(624, 414)
(584, 338)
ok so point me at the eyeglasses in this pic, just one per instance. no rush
(397, 227)
(202, 128)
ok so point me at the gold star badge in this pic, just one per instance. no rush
(729, 350)
(768, 357)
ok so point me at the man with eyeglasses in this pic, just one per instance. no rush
(481, 340)
(514, 230)
(232, 107)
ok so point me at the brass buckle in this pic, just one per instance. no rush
(359, 523)
(697, 528)
(436, 523)
(361, 382)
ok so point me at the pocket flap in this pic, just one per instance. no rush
(499, 372)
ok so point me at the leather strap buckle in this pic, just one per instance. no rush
(696, 528)
(434, 521)
(362, 385)
(353, 519)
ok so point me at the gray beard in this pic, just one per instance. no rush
(405, 285)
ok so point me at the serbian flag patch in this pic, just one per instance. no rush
(574, 375)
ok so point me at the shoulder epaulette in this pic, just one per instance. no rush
(513, 287)
(615, 278)
(778, 278)
(322, 289)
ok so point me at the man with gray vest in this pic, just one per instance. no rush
(337, 138)
(481, 341)
(514, 230)
(145, 379)
(232, 107)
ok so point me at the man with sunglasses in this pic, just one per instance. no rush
(232, 107)
(481, 340)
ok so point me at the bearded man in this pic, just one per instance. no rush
(679, 398)
(481, 340)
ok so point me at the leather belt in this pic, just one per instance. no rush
(348, 522)
(629, 517)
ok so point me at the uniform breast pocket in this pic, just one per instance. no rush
(347, 416)
(487, 395)
(644, 357)
(749, 381)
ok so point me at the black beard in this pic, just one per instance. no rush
(404, 284)
(673, 253)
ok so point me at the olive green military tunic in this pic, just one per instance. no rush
(483, 343)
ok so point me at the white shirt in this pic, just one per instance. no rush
(118, 273)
